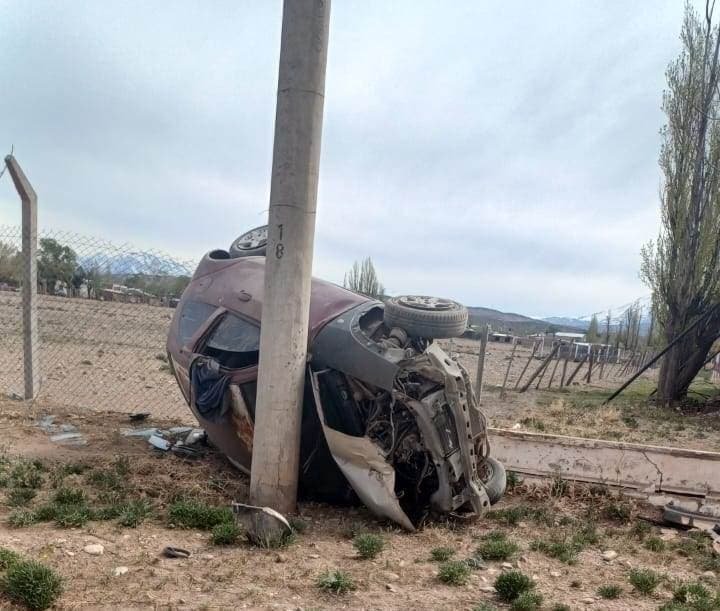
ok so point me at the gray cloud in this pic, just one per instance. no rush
(502, 155)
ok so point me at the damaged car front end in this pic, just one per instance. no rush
(388, 417)
(409, 413)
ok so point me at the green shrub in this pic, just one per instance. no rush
(560, 607)
(7, 557)
(72, 516)
(511, 584)
(484, 607)
(22, 518)
(46, 512)
(336, 582)
(298, 525)
(368, 545)
(191, 513)
(19, 497)
(496, 546)
(644, 580)
(27, 474)
(527, 601)
(32, 584)
(134, 513)
(226, 533)
(610, 592)
(441, 554)
(566, 546)
(69, 496)
(641, 529)
(695, 596)
(618, 511)
(454, 572)
(654, 544)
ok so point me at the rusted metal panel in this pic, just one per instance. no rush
(647, 469)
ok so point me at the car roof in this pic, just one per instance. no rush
(239, 286)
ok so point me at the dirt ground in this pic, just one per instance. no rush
(240, 576)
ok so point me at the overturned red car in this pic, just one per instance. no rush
(388, 417)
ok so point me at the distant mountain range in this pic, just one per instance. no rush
(509, 322)
(564, 321)
(131, 263)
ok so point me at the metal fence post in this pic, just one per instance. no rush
(29, 277)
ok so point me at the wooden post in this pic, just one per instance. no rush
(507, 372)
(31, 345)
(527, 364)
(541, 368)
(602, 361)
(552, 376)
(481, 364)
(574, 373)
(591, 358)
(288, 263)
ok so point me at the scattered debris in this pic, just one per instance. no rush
(66, 434)
(184, 441)
(175, 552)
(94, 549)
(139, 417)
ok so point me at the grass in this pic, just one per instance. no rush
(697, 546)
(134, 513)
(511, 584)
(527, 601)
(692, 596)
(192, 513)
(441, 554)
(654, 544)
(7, 557)
(512, 516)
(368, 545)
(560, 607)
(644, 580)
(641, 529)
(225, 533)
(496, 546)
(19, 497)
(454, 572)
(618, 511)
(32, 584)
(336, 582)
(69, 496)
(22, 518)
(27, 474)
(566, 546)
(610, 591)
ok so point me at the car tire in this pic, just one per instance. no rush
(494, 480)
(252, 243)
(422, 316)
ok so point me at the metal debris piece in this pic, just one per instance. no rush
(73, 439)
(144, 433)
(706, 518)
(159, 442)
(264, 526)
(175, 552)
(195, 436)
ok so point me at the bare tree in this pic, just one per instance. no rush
(682, 266)
(362, 278)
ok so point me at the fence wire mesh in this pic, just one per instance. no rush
(103, 316)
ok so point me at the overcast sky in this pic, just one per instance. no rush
(502, 154)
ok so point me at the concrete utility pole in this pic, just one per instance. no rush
(29, 276)
(288, 263)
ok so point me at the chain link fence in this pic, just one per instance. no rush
(103, 313)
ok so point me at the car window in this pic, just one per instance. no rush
(193, 315)
(233, 334)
